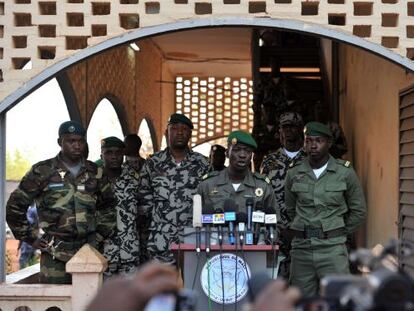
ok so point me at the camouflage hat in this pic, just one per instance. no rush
(71, 127)
(241, 137)
(112, 141)
(218, 148)
(180, 118)
(317, 129)
(290, 118)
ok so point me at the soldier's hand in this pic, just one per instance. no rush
(277, 296)
(133, 294)
(39, 244)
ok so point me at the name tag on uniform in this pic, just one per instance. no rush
(55, 185)
(81, 187)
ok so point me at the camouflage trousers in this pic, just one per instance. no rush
(52, 271)
(143, 225)
(125, 269)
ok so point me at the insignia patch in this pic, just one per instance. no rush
(234, 141)
(214, 191)
(62, 174)
(258, 192)
(81, 188)
(267, 180)
(347, 164)
(71, 129)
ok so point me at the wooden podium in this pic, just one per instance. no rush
(207, 278)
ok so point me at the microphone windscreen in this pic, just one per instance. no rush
(197, 211)
(229, 205)
(257, 284)
(241, 217)
(259, 206)
(208, 209)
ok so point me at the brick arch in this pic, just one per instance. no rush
(119, 110)
(193, 23)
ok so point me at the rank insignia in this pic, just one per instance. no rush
(347, 164)
(234, 141)
(214, 191)
(258, 192)
(62, 174)
(71, 129)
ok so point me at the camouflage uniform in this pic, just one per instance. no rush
(275, 166)
(166, 191)
(122, 248)
(143, 221)
(72, 212)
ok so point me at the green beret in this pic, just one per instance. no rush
(317, 129)
(99, 162)
(71, 127)
(243, 138)
(180, 118)
(112, 141)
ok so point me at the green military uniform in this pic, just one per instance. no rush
(72, 210)
(321, 212)
(217, 187)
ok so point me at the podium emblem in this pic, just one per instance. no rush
(235, 280)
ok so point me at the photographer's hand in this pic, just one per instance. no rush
(133, 294)
(277, 296)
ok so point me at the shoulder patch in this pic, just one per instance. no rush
(343, 162)
(347, 164)
(262, 177)
(211, 174)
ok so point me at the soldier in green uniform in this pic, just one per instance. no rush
(236, 182)
(324, 202)
(168, 182)
(75, 205)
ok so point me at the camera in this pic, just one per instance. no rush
(184, 300)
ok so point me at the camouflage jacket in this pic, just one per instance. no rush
(123, 246)
(166, 191)
(135, 162)
(275, 166)
(69, 209)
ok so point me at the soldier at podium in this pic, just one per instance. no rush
(237, 182)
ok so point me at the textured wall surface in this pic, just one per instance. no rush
(369, 116)
(46, 31)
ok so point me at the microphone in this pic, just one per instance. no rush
(249, 210)
(218, 220)
(230, 217)
(271, 221)
(197, 220)
(207, 220)
(258, 218)
(241, 219)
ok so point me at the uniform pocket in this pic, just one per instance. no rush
(334, 194)
(303, 193)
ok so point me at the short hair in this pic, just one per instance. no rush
(132, 144)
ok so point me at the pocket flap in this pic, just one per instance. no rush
(336, 186)
(298, 187)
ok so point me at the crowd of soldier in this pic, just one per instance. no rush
(134, 210)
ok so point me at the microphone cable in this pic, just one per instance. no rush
(210, 307)
(235, 276)
(221, 263)
(196, 270)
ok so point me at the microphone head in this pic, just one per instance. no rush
(241, 217)
(249, 202)
(258, 282)
(197, 211)
(259, 206)
(208, 209)
(229, 205)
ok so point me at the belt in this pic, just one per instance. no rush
(311, 232)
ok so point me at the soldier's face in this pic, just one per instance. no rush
(240, 156)
(178, 135)
(317, 147)
(112, 157)
(72, 146)
(290, 133)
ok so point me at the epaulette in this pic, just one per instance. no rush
(343, 162)
(262, 177)
(210, 174)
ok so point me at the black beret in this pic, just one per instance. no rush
(180, 118)
(112, 141)
(71, 127)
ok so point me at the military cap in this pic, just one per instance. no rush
(241, 137)
(218, 148)
(71, 127)
(290, 118)
(317, 129)
(112, 141)
(180, 118)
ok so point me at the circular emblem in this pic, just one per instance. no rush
(234, 141)
(71, 129)
(212, 281)
(258, 192)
